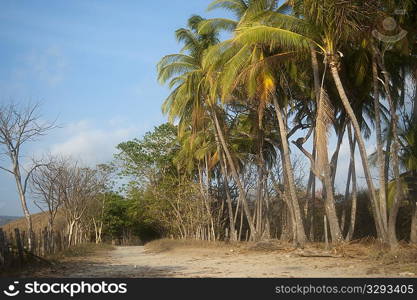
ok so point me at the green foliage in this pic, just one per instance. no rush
(150, 158)
(124, 217)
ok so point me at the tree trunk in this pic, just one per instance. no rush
(235, 175)
(379, 143)
(260, 187)
(335, 157)
(327, 182)
(299, 226)
(413, 231)
(362, 149)
(331, 208)
(352, 145)
(71, 232)
(213, 231)
(317, 91)
(50, 234)
(23, 202)
(392, 220)
(233, 235)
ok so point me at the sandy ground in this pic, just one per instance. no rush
(135, 262)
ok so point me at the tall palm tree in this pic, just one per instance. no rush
(327, 25)
(189, 98)
(246, 69)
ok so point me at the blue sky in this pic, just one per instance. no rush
(92, 65)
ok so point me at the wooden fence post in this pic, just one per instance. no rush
(45, 241)
(19, 245)
(3, 245)
(6, 249)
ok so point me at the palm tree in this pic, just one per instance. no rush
(189, 98)
(301, 65)
(328, 32)
(246, 69)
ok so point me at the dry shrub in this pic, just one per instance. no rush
(359, 248)
(404, 254)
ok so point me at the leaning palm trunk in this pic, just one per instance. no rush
(300, 236)
(381, 232)
(242, 194)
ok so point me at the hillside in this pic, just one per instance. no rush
(7, 219)
(39, 221)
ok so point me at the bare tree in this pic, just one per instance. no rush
(19, 125)
(104, 185)
(79, 186)
(47, 191)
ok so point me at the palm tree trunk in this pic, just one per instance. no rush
(232, 226)
(323, 155)
(392, 220)
(260, 187)
(382, 234)
(335, 157)
(290, 232)
(379, 144)
(298, 226)
(352, 146)
(235, 175)
(317, 90)
(387, 164)
(213, 232)
(330, 207)
(205, 195)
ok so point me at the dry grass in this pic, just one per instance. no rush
(404, 258)
(268, 246)
(39, 222)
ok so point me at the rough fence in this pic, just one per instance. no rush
(14, 248)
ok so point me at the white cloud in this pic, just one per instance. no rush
(92, 145)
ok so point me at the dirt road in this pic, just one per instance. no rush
(136, 262)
